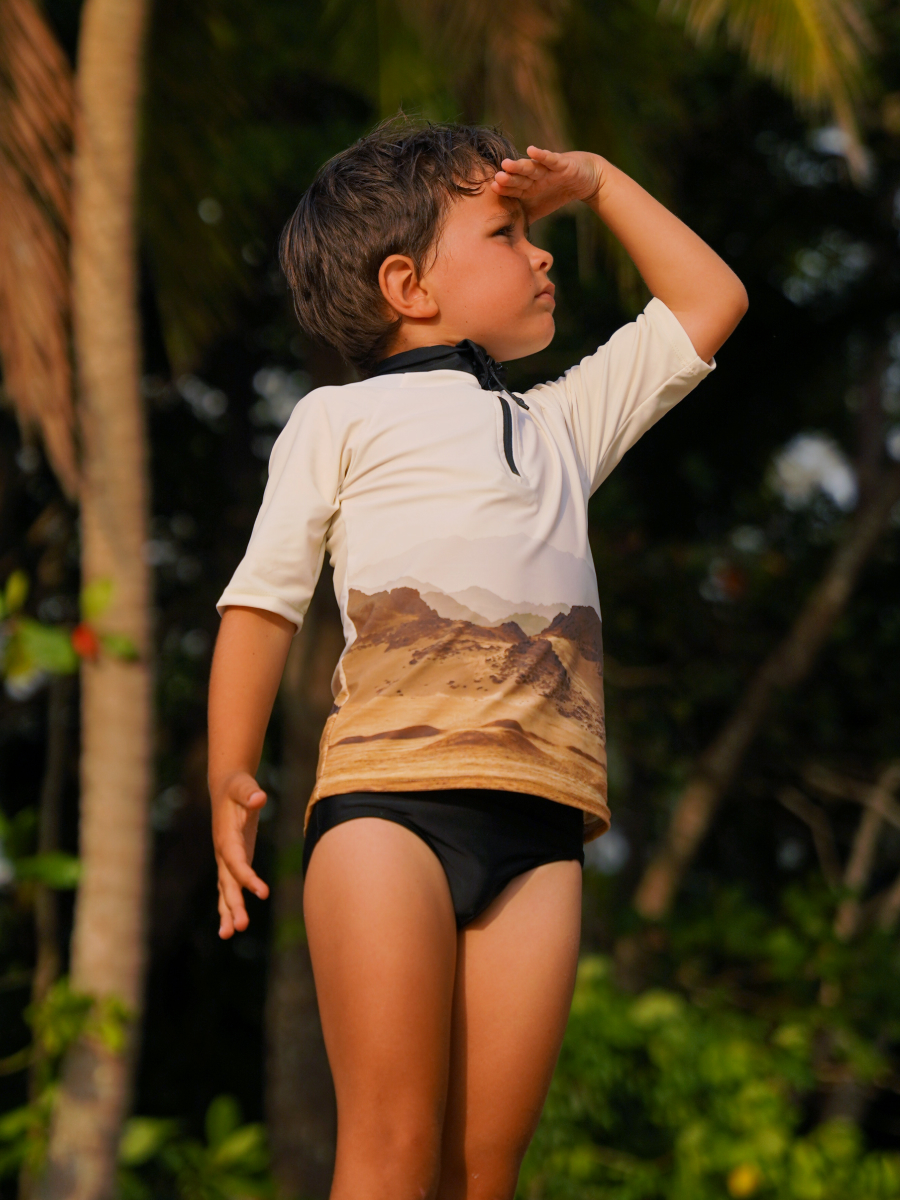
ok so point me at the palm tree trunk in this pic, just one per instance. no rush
(785, 667)
(108, 937)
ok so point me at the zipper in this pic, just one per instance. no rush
(507, 420)
(507, 435)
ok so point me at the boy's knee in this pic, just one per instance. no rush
(401, 1157)
(488, 1173)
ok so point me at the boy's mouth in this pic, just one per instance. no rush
(548, 290)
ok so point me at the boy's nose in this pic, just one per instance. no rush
(541, 260)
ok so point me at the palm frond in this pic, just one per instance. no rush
(816, 51)
(36, 114)
(499, 62)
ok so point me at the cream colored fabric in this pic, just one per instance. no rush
(467, 592)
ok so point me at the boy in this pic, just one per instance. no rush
(463, 763)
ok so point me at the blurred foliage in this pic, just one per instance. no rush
(709, 1086)
(57, 1022)
(241, 103)
(157, 1160)
(32, 650)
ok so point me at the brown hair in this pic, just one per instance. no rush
(386, 194)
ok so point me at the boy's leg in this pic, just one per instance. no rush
(514, 981)
(383, 943)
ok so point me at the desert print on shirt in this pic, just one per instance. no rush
(468, 684)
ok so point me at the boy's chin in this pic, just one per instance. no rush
(521, 349)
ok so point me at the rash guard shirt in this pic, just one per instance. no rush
(456, 523)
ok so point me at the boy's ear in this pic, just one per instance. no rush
(402, 289)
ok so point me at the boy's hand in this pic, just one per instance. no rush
(235, 815)
(546, 180)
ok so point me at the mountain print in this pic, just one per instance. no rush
(433, 700)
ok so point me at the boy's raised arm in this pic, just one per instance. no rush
(246, 670)
(676, 264)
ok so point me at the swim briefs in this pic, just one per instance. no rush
(483, 838)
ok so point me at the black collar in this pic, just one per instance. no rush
(464, 356)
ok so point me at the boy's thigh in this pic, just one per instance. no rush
(382, 940)
(514, 982)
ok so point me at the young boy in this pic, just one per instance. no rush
(463, 763)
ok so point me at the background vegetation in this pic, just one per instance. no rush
(736, 1029)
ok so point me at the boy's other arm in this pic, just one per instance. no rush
(677, 266)
(247, 666)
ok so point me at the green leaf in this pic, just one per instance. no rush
(655, 1008)
(109, 1022)
(14, 1063)
(15, 1123)
(16, 590)
(47, 647)
(56, 870)
(60, 1017)
(17, 663)
(143, 1138)
(245, 1147)
(119, 645)
(95, 598)
(222, 1118)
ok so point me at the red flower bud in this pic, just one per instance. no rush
(85, 642)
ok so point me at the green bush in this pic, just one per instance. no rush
(715, 1089)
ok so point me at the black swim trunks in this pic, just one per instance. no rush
(483, 838)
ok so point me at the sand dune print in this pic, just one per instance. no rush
(436, 696)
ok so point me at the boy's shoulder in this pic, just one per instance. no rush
(361, 396)
(329, 400)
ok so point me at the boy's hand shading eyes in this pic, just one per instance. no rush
(546, 180)
(235, 816)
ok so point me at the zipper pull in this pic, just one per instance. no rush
(503, 389)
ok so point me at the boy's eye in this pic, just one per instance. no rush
(506, 231)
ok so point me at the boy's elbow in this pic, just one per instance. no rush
(741, 300)
(730, 311)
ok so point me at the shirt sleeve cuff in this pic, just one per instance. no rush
(674, 332)
(266, 603)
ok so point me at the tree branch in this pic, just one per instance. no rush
(820, 827)
(862, 856)
(787, 665)
(842, 787)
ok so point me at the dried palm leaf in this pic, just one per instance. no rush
(816, 51)
(36, 113)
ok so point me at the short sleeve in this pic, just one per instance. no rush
(279, 570)
(612, 397)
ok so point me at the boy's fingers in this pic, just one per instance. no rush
(513, 184)
(547, 157)
(234, 902)
(235, 862)
(226, 924)
(523, 167)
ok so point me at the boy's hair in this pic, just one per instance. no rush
(387, 194)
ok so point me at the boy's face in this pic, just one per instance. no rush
(487, 282)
